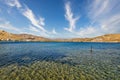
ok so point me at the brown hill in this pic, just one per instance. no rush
(107, 38)
(5, 36)
(104, 38)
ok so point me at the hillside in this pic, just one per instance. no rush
(103, 38)
(5, 36)
(107, 38)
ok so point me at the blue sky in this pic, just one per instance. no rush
(60, 18)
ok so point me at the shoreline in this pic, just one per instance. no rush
(54, 42)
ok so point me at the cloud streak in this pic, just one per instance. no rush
(70, 17)
(107, 20)
(13, 3)
(32, 28)
(39, 23)
(98, 8)
(112, 25)
(6, 25)
(103, 15)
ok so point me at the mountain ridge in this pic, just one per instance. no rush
(6, 36)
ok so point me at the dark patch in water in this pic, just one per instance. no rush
(23, 59)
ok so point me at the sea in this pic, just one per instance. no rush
(72, 53)
(43, 60)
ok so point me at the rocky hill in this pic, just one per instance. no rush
(5, 36)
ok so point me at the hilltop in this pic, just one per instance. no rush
(6, 36)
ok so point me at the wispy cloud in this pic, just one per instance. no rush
(6, 25)
(90, 31)
(70, 17)
(96, 11)
(104, 16)
(32, 28)
(111, 25)
(39, 23)
(13, 3)
(54, 31)
(98, 8)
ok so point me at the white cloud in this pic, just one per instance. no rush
(104, 18)
(89, 32)
(106, 15)
(111, 25)
(32, 28)
(42, 21)
(54, 31)
(39, 23)
(6, 25)
(70, 17)
(13, 3)
(99, 7)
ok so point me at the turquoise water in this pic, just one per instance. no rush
(70, 53)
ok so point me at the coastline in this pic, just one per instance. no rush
(10, 37)
(53, 42)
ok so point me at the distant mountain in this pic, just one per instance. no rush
(5, 36)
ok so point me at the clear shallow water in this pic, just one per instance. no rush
(71, 53)
(60, 61)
